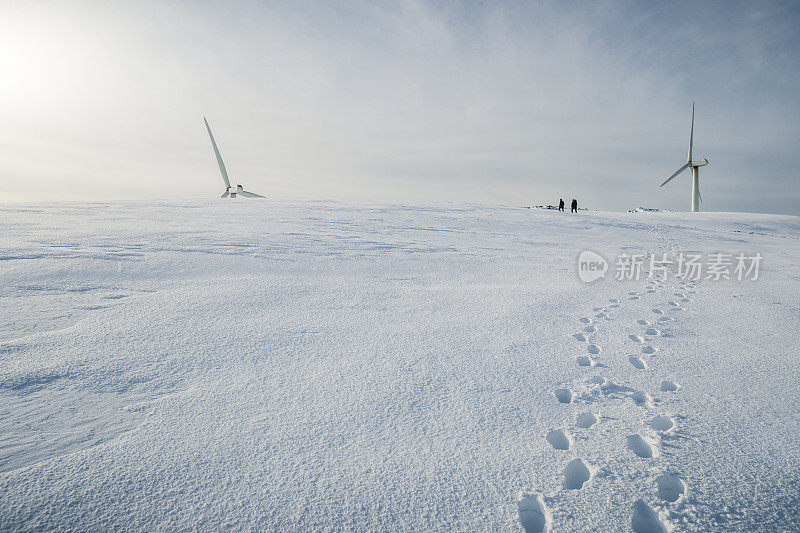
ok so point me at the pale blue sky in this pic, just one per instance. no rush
(513, 103)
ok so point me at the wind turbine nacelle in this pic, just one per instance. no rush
(233, 190)
(702, 163)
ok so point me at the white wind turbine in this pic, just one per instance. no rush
(695, 166)
(230, 192)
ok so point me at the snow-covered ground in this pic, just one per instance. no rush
(319, 366)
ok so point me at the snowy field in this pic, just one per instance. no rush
(301, 366)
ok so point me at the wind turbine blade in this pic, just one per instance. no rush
(684, 167)
(219, 157)
(224, 195)
(248, 194)
(691, 136)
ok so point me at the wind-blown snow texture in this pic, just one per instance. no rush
(311, 365)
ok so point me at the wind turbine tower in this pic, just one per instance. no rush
(230, 192)
(695, 166)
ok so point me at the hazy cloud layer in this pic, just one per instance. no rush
(514, 102)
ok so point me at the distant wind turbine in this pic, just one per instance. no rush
(695, 166)
(230, 192)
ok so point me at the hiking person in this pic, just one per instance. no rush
(574, 206)
(561, 205)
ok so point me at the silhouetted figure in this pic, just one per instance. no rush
(574, 206)
(561, 205)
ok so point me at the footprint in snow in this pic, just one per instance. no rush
(589, 329)
(633, 293)
(576, 473)
(639, 446)
(585, 320)
(596, 380)
(533, 514)
(664, 319)
(642, 399)
(611, 389)
(651, 331)
(643, 322)
(662, 423)
(584, 360)
(586, 420)
(670, 487)
(669, 386)
(646, 520)
(613, 300)
(563, 395)
(593, 349)
(558, 439)
(633, 297)
(658, 311)
(614, 306)
(649, 350)
(580, 336)
(635, 338)
(637, 362)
